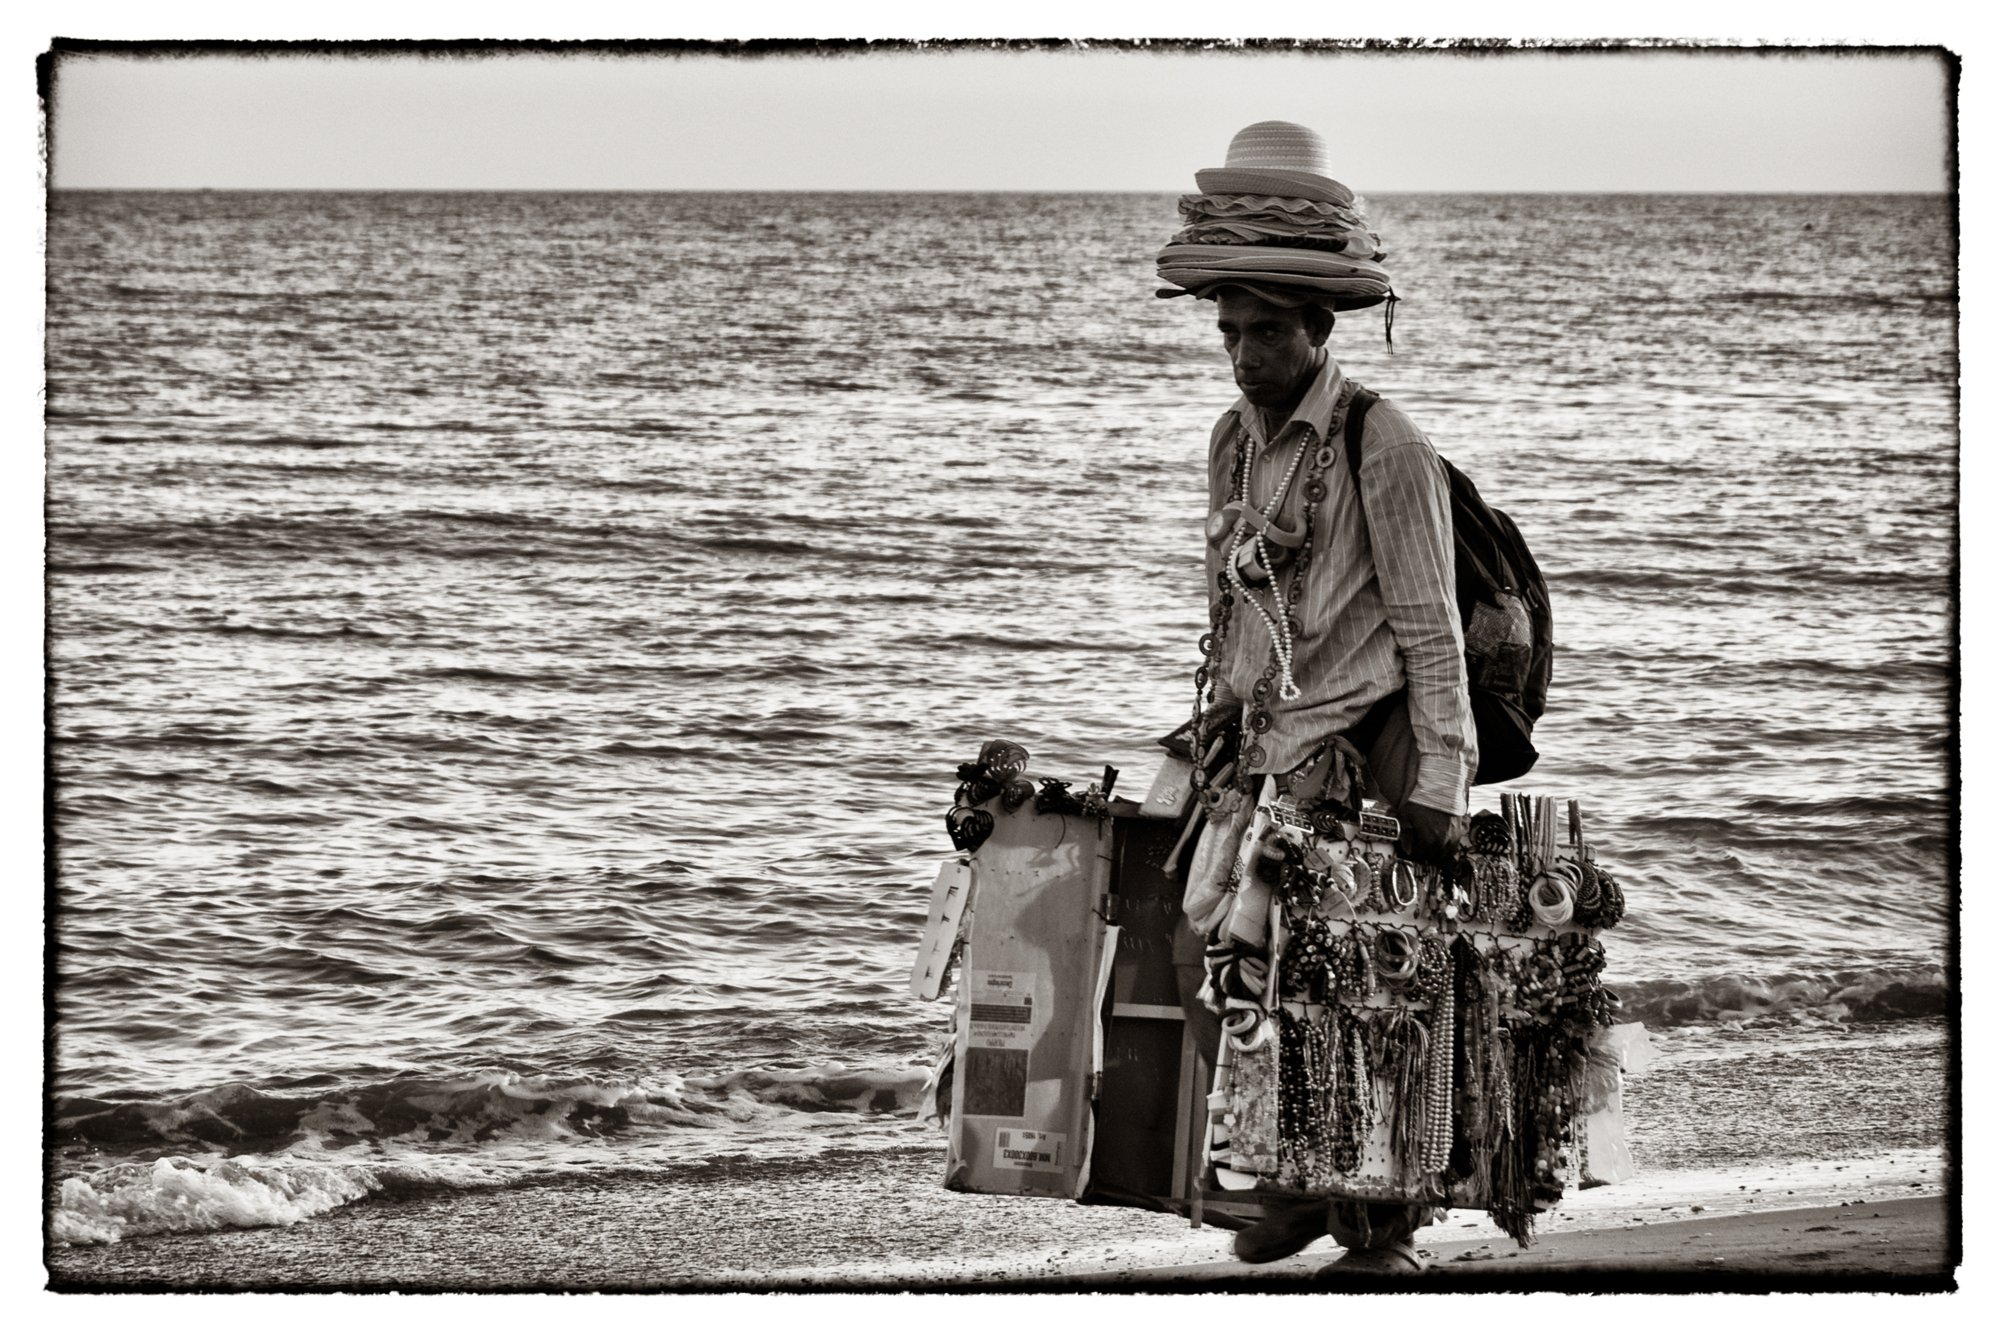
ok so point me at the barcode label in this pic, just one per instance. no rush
(1028, 1150)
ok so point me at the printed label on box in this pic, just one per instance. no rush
(1028, 1150)
(1002, 1012)
(999, 1030)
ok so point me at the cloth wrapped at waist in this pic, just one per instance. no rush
(1333, 777)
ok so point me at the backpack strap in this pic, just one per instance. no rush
(1489, 566)
(1357, 419)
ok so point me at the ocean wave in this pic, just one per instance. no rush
(1918, 991)
(1776, 822)
(295, 633)
(481, 673)
(757, 544)
(178, 1194)
(280, 440)
(992, 641)
(480, 1108)
(1844, 301)
(474, 1109)
(103, 568)
(235, 1156)
(1784, 581)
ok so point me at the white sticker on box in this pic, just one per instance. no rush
(1002, 1014)
(1028, 1150)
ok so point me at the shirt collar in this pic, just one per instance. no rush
(1315, 409)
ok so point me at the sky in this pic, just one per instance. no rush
(1702, 120)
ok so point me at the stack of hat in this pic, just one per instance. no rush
(1272, 219)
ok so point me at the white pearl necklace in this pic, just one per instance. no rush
(1279, 626)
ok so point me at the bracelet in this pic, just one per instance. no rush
(1589, 893)
(1395, 955)
(1247, 1029)
(1398, 873)
(1552, 901)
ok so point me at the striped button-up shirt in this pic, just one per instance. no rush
(1379, 607)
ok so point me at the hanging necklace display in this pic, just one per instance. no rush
(1433, 970)
(1410, 1055)
(1400, 1054)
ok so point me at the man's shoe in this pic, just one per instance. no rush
(1282, 1234)
(1397, 1260)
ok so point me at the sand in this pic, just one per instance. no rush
(1896, 1244)
(882, 1223)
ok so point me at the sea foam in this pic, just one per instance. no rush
(178, 1194)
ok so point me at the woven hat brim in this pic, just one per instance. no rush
(1271, 258)
(1280, 184)
(1335, 292)
(1278, 295)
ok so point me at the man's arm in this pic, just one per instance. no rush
(1220, 458)
(1408, 507)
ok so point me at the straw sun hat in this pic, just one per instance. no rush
(1276, 157)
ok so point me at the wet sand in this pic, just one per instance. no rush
(1898, 1244)
(881, 1223)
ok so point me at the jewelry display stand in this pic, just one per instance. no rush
(1073, 1071)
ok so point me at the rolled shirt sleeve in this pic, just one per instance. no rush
(1407, 501)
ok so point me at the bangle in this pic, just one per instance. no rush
(1552, 901)
(1247, 1029)
(1399, 873)
(1395, 955)
(1366, 891)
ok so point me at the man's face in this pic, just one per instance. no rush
(1271, 348)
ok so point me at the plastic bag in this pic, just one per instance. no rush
(1600, 1100)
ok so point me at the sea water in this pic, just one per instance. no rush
(511, 651)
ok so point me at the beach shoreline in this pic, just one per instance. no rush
(883, 1223)
(1894, 1245)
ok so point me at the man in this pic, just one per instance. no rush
(1334, 609)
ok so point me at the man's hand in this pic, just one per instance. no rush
(1429, 835)
(1222, 714)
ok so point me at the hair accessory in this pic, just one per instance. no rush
(969, 827)
(1015, 792)
(1378, 825)
(1003, 758)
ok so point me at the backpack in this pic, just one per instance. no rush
(1503, 605)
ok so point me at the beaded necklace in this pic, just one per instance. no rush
(1277, 619)
(1436, 1148)
(1280, 620)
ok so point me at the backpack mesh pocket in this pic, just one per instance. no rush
(1499, 644)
